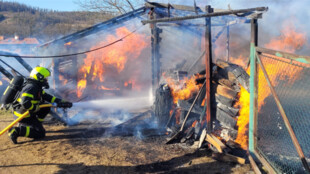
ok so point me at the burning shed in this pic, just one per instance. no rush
(196, 89)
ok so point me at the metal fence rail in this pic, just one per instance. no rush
(281, 131)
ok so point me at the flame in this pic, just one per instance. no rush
(243, 119)
(81, 86)
(182, 90)
(289, 41)
(105, 88)
(133, 83)
(1, 83)
(111, 60)
(68, 43)
(241, 60)
(194, 123)
(63, 80)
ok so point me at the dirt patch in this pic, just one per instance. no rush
(87, 148)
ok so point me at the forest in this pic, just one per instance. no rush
(44, 24)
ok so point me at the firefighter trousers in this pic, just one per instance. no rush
(32, 126)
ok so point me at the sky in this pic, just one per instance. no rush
(59, 5)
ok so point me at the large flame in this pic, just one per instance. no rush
(113, 58)
(289, 41)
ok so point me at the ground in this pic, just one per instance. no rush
(87, 148)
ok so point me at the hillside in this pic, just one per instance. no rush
(41, 23)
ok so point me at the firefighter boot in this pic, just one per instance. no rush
(13, 134)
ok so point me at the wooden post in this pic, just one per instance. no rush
(253, 87)
(155, 40)
(208, 45)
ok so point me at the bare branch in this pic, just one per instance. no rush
(112, 6)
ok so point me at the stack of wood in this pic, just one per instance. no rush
(226, 81)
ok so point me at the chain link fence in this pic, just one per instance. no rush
(291, 81)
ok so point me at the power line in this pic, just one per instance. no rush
(74, 54)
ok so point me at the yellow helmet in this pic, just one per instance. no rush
(40, 73)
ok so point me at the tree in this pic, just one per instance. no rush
(110, 6)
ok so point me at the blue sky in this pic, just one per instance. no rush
(59, 5)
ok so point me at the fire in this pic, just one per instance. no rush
(112, 60)
(289, 41)
(63, 80)
(243, 119)
(132, 83)
(183, 89)
(68, 43)
(194, 123)
(105, 88)
(241, 60)
(81, 86)
(1, 83)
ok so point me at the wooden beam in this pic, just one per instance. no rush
(208, 58)
(254, 165)
(216, 143)
(222, 13)
(171, 6)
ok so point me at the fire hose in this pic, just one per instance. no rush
(65, 105)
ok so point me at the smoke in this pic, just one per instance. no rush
(133, 103)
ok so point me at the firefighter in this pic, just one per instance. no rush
(30, 97)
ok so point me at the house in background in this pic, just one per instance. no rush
(18, 45)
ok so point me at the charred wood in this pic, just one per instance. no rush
(242, 77)
(229, 134)
(235, 73)
(229, 110)
(163, 104)
(172, 118)
(186, 106)
(215, 142)
(224, 100)
(226, 92)
(197, 130)
(177, 136)
(225, 119)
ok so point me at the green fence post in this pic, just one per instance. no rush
(253, 86)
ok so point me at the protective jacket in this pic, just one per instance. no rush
(31, 96)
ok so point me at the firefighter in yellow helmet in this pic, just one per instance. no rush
(30, 97)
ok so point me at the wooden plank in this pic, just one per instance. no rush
(202, 137)
(215, 142)
(254, 165)
(185, 105)
(225, 119)
(224, 100)
(229, 110)
(264, 162)
(225, 157)
(226, 92)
